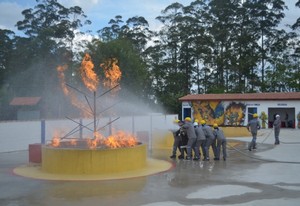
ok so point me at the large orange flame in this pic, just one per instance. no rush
(89, 77)
(70, 93)
(112, 73)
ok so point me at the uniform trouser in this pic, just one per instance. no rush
(190, 145)
(177, 144)
(221, 144)
(199, 144)
(253, 142)
(276, 133)
(210, 142)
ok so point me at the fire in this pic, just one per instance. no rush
(89, 77)
(70, 93)
(93, 143)
(112, 77)
(55, 141)
(73, 142)
(112, 72)
(118, 140)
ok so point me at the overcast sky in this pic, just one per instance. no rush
(101, 11)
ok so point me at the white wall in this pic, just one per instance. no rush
(17, 135)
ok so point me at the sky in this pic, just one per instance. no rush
(98, 11)
(101, 11)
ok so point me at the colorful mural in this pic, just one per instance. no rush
(210, 111)
(235, 114)
(215, 112)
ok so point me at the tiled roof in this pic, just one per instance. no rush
(25, 101)
(245, 96)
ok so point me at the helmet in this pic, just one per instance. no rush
(255, 115)
(176, 121)
(196, 120)
(203, 122)
(215, 125)
(277, 116)
(195, 123)
(188, 119)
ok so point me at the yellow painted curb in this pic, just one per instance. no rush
(153, 166)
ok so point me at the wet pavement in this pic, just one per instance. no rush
(266, 176)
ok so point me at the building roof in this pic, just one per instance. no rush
(25, 101)
(245, 96)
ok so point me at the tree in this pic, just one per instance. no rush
(50, 29)
(267, 15)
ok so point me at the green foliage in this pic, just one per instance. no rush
(208, 46)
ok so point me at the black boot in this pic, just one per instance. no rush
(173, 156)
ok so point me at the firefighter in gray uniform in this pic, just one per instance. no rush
(276, 126)
(253, 126)
(190, 131)
(177, 140)
(221, 141)
(200, 142)
(210, 140)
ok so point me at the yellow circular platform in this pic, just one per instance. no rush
(86, 161)
(152, 166)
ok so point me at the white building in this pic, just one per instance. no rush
(237, 109)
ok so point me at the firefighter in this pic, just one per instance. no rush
(191, 134)
(253, 126)
(177, 134)
(200, 142)
(276, 126)
(221, 142)
(210, 140)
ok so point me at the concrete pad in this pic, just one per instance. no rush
(152, 166)
(266, 176)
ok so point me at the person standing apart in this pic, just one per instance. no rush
(276, 126)
(190, 131)
(221, 141)
(253, 126)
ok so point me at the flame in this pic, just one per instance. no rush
(89, 77)
(55, 142)
(70, 93)
(94, 143)
(112, 73)
(73, 142)
(120, 139)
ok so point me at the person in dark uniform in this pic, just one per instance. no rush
(177, 140)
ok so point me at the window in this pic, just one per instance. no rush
(251, 111)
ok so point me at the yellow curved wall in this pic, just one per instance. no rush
(86, 161)
(165, 139)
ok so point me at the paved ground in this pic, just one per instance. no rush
(267, 176)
